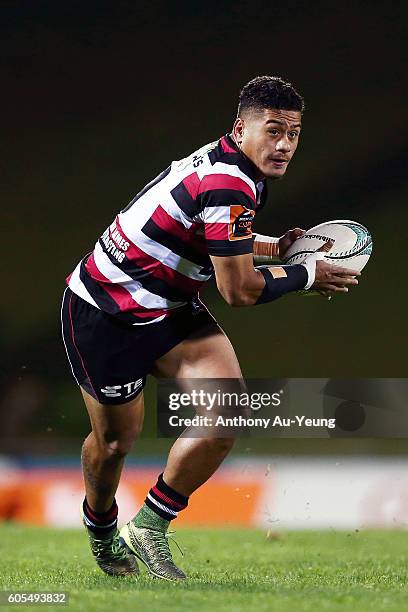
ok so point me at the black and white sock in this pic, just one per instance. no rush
(100, 522)
(165, 501)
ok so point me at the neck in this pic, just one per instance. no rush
(259, 176)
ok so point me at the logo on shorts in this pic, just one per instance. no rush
(240, 225)
(125, 390)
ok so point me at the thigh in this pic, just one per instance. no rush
(105, 354)
(112, 423)
(206, 353)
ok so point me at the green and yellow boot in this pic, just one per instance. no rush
(112, 558)
(146, 537)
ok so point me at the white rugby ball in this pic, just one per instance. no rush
(351, 249)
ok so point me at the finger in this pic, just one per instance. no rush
(335, 288)
(325, 294)
(346, 272)
(343, 280)
(326, 246)
(294, 234)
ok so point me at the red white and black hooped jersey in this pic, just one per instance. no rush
(154, 257)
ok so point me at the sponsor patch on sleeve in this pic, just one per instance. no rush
(240, 226)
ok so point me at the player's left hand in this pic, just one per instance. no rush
(288, 239)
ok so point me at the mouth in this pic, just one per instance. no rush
(278, 162)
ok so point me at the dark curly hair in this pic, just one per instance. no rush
(269, 92)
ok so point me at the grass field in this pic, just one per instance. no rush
(229, 570)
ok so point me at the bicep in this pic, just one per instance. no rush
(236, 278)
(232, 269)
(227, 216)
(228, 230)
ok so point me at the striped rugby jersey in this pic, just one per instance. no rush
(154, 257)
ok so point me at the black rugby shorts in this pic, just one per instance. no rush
(110, 358)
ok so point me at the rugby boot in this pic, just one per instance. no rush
(112, 558)
(151, 546)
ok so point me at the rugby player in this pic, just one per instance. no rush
(131, 309)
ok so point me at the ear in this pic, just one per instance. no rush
(238, 130)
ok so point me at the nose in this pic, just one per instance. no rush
(283, 144)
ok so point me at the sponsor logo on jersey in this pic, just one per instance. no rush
(114, 243)
(240, 226)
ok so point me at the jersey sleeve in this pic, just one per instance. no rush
(228, 211)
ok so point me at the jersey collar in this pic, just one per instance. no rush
(246, 165)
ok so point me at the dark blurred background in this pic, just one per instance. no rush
(98, 97)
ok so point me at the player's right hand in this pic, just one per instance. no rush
(329, 278)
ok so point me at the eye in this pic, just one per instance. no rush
(273, 132)
(293, 134)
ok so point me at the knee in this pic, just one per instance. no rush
(119, 446)
(222, 445)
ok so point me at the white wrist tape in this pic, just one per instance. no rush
(270, 240)
(310, 265)
(261, 238)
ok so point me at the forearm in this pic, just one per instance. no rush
(265, 284)
(283, 279)
(240, 284)
(279, 280)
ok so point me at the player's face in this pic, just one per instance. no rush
(269, 138)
